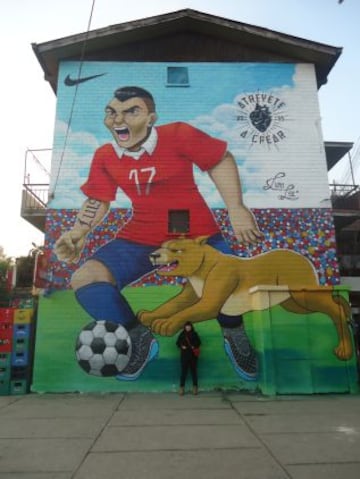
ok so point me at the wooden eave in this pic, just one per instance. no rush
(335, 150)
(95, 44)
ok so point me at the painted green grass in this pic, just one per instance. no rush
(301, 353)
(300, 349)
(60, 319)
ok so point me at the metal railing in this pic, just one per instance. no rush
(35, 197)
(35, 192)
(342, 196)
(343, 190)
(349, 264)
(345, 197)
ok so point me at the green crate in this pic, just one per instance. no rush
(4, 387)
(5, 373)
(5, 360)
(23, 303)
(18, 386)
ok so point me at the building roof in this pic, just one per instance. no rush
(216, 39)
(335, 150)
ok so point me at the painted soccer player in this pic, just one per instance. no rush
(154, 168)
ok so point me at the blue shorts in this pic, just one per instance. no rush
(128, 261)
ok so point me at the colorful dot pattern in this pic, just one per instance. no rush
(309, 232)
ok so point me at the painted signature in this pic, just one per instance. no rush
(276, 183)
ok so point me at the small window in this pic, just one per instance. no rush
(177, 76)
(179, 221)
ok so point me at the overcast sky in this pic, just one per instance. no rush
(28, 104)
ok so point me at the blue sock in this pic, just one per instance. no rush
(227, 321)
(103, 301)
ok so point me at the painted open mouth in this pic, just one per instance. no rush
(123, 133)
(168, 267)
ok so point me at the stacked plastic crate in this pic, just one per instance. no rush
(16, 332)
(6, 338)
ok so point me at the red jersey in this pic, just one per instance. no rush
(158, 183)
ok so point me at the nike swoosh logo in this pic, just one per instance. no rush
(72, 82)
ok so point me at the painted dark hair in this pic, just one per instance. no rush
(189, 323)
(126, 92)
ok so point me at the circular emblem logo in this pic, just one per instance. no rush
(261, 118)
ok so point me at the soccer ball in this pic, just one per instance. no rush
(103, 348)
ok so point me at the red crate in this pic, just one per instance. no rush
(6, 337)
(7, 315)
(5, 345)
(6, 330)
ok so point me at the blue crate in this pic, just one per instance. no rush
(21, 331)
(20, 358)
(20, 344)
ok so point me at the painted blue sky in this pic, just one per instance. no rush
(209, 103)
(214, 101)
(211, 84)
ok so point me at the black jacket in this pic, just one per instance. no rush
(189, 340)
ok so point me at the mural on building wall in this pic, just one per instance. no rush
(128, 211)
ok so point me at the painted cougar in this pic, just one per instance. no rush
(220, 283)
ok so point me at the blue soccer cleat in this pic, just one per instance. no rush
(242, 355)
(145, 348)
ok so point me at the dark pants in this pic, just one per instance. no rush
(186, 364)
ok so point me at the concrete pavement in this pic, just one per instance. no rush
(213, 435)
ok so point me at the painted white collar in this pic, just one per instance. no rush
(148, 146)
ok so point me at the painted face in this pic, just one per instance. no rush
(188, 327)
(129, 122)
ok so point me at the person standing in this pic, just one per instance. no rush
(189, 343)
